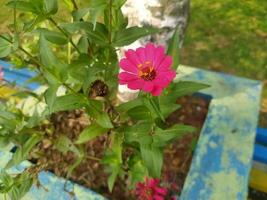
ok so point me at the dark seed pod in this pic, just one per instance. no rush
(98, 89)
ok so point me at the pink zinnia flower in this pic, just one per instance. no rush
(150, 190)
(148, 69)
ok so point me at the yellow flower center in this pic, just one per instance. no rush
(146, 71)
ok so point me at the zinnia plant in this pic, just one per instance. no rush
(75, 58)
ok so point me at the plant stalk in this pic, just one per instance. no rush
(64, 33)
(75, 5)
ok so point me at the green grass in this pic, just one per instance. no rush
(229, 36)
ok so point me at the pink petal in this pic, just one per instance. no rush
(157, 91)
(148, 86)
(126, 65)
(164, 78)
(170, 75)
(157, 197)
(165, 63)
(132, 57)
(158, 56)
(159, 190)
(141, 54)
(136, 85)
(150, 51)
(127, 77)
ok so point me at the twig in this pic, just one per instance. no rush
(64, 33)
(93, 158)
(15, 17)
(74, 4)
(110, 21)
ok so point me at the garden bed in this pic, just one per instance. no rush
(177, 156)
(208, 170)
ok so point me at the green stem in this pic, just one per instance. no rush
(156, 109)
(64, 33)
(75, 5)
(110, 21)
(15, 17)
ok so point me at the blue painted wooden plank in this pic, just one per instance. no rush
(8, 66)
(222, 161)
(18, 76)
(261, 136)
(260, 153)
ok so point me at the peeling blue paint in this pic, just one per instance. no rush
(222, 160)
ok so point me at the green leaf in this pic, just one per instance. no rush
(102, 118)
(153, 159)
(137, 170)
(129, 105)
(83, 45)
(129, 35)
(118, 3)
(51, 95)
(22, 6)
(7, 45)
(183, 88)
(113, 158)
(98, 4)
(153, 104)
(79, 14)
(64, 144)
(167, 109)
(167, 105)
(76, 163)
(15, 187)
(23, 183)
(113, 176)
(140, 113)
(6, 181)
(30, 25)
(96, 10)
(50, 7)
(23, 151)
(52, 36)
(69, 102)
(163, 137)
(173, 49)
(5, 48)
(69, 4)
(90, 133)
(139, 133)
(98, 35)
(47, 56)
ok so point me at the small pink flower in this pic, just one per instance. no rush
(150, 190)
(1, 74)
(148, 69)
